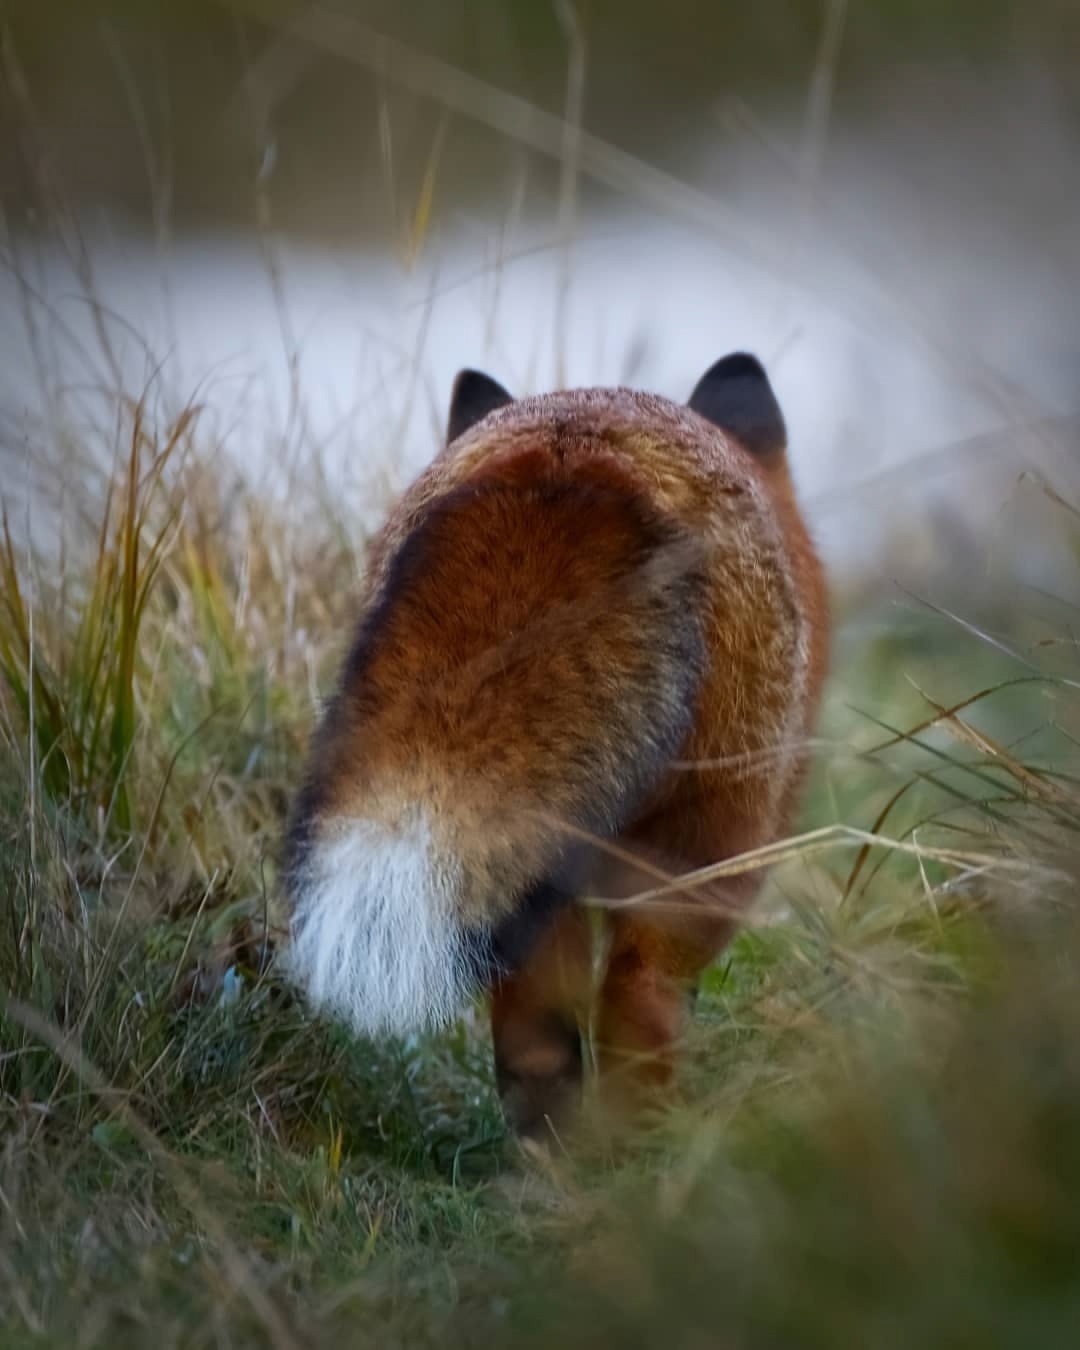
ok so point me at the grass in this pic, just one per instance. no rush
(875, 1135)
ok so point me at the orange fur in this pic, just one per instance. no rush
(595, 614)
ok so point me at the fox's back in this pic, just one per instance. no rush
(765, 630)
(683, 463)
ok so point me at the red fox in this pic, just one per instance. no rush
(589, 653)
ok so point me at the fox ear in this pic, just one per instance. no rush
(474, 395)
(735, 395)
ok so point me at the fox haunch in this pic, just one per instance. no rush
(588, 654)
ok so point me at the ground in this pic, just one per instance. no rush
(874, 1140)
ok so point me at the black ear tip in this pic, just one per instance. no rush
(467, 379)
(737, 366)
(473, 396)
(735, 395)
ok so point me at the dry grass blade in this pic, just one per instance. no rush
(966, 734)
(825, 839)
(1019, 682)
(420, 224)
(875, 829)
(1055, 496)
(988, 638)
(30, 679)
(123, 721)
(1059, 816)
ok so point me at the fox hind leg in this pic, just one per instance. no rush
(649, 989)
(536, 1016)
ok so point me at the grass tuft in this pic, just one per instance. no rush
(874, 1134)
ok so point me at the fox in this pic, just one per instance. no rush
(587, 659)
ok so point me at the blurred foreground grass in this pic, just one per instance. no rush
(876, 1139)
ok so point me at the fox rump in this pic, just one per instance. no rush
(591, 637)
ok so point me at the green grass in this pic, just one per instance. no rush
(876, 1134)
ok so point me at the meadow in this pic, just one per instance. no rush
(874, 1138)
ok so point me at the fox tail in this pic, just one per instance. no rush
(527, 668)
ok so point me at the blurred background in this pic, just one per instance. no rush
(307, 217)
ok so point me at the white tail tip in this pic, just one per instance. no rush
(377, 934)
